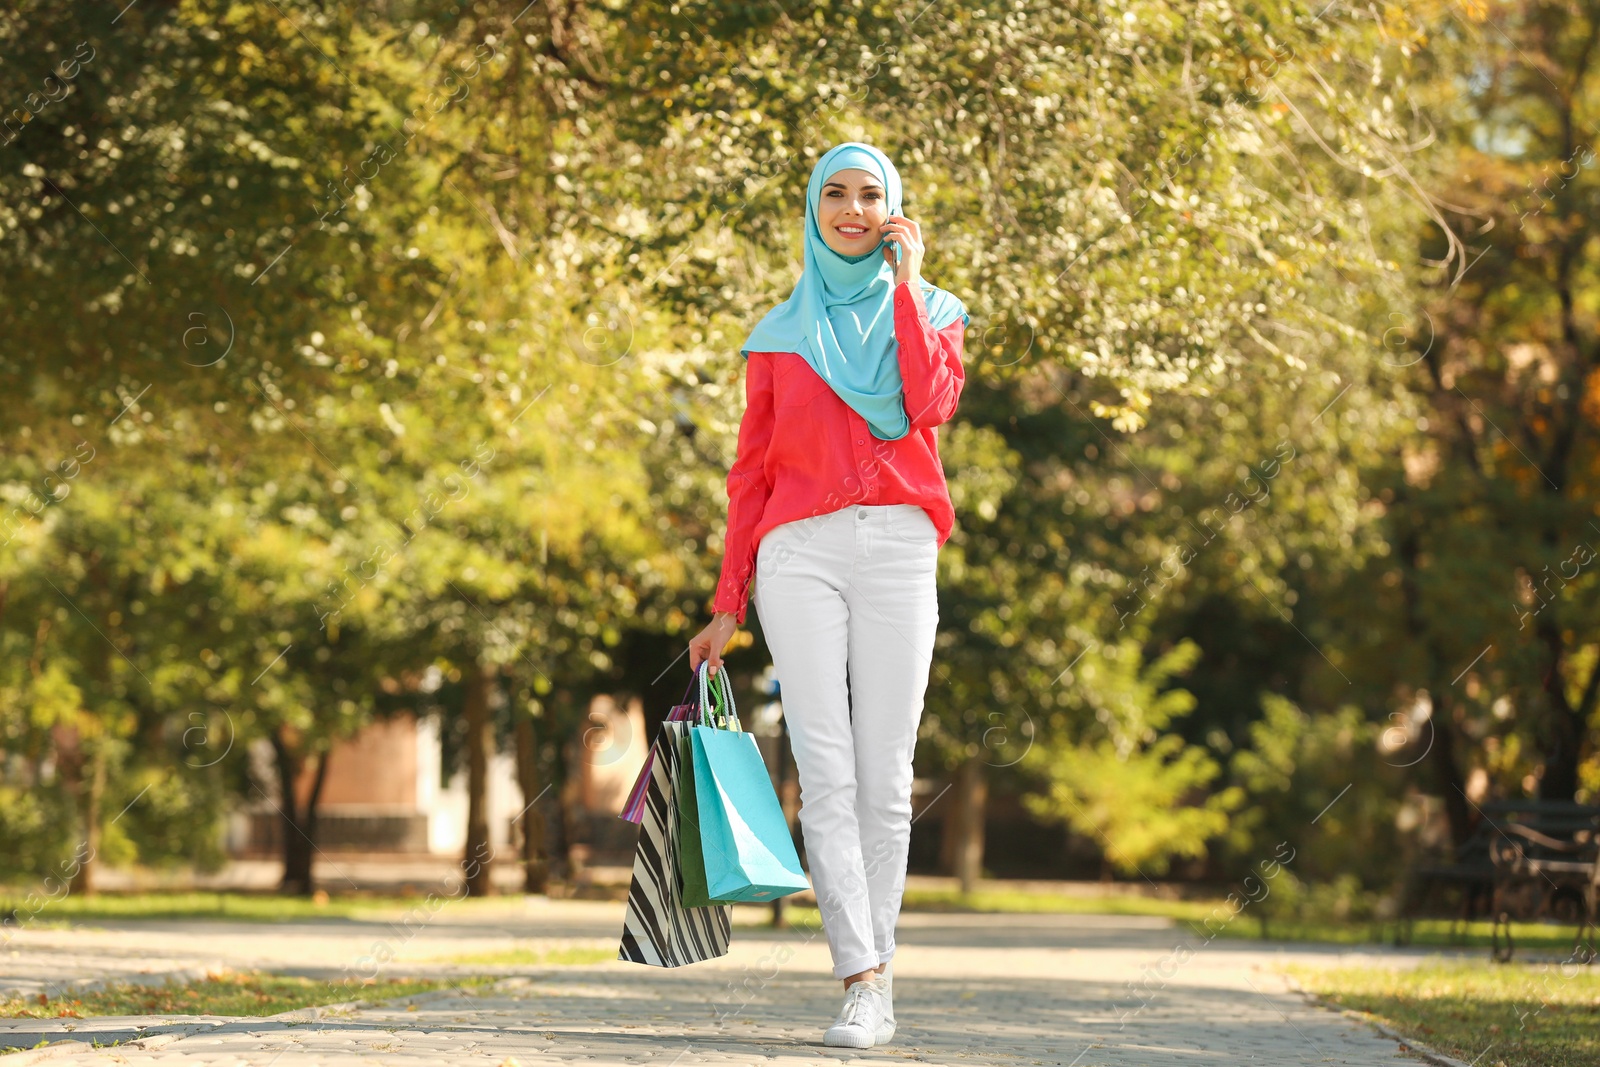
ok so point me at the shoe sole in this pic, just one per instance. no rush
(847, 1040)
(855, 1040)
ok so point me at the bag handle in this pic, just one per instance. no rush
(702, 709)
(732, 713)
(726, 716)
(688, 693)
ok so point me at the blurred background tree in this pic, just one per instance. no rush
(350, 345)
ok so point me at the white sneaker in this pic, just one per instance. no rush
(861, 1022)
(888, 1000)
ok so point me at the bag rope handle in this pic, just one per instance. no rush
(721, 714)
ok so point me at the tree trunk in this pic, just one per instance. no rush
(1442, 745)
(1566, 727)
(536, 872)
(949, 830)
(562, 860)
(95, 787)
(788, 797)
(298, 826)
(972, 791)
(1442, 754)
(480, 743)
(1563, 728)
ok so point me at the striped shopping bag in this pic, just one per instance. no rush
(682, 711)
(658, 929)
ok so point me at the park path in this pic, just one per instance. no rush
(1069, 990)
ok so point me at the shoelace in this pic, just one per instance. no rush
(852, 1004)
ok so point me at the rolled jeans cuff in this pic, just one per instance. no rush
(856, 965)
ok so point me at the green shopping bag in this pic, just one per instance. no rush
(692, 884)
(747, 850)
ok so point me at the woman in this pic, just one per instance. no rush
(837, 507)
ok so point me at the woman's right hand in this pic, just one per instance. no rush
(709, 643)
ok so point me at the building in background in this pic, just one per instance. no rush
(385, 793)
(604, 760)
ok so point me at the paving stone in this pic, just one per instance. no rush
(1068, 991)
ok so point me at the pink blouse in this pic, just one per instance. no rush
(804, 452)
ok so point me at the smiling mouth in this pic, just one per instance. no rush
(852, 231)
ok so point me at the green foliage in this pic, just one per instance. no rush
(31, 823)
(1135, 788)
(177, 819)
(1319, 781)
(346, 342)
(1134, 804)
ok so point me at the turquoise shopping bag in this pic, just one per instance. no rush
(745, 842)
(692, 869)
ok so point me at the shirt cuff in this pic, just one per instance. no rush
(734, 601)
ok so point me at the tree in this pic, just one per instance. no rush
(1505, 367)
(1128, 782)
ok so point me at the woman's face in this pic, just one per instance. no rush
(851, 213)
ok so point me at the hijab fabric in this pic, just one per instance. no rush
(840, 317)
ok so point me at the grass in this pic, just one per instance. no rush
(807, 916)
(1493, 1015)
(523, 957)
(1435, 933)
(256, 907)
(1441, 933)
(262, 907)
(234, 907)
(1014, 900)
(233, 993)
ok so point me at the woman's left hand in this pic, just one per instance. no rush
(899, 230)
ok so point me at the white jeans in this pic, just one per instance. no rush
(854, 586)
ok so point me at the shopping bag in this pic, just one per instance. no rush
(658, 929)
(692, 865)
(745, 840)
(633, 810)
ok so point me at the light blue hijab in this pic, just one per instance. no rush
(840, 317)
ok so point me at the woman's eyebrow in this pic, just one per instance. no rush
(868, 188)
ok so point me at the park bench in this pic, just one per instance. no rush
(1466, 869)
(1546, 858)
